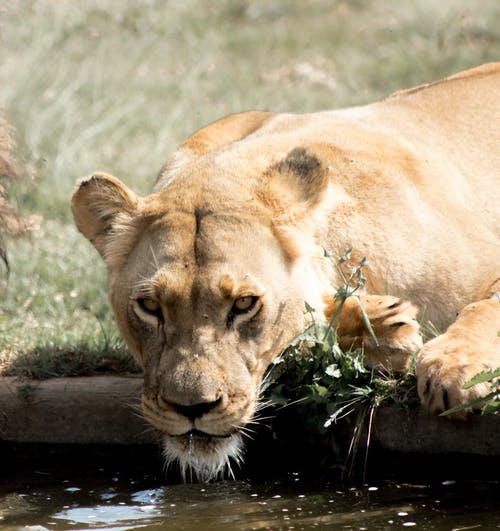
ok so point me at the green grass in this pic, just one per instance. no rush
(54, 308)
(116, 86)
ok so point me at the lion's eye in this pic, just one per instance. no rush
(247, 307)
(150, 307)
(244, 304)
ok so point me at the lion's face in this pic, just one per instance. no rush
(206, 297)
(205, 317)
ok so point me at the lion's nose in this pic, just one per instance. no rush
(196, 410)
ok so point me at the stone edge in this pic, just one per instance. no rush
(104, 410)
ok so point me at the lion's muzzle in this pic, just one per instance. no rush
(201, 438)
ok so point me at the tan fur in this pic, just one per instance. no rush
(247, 207)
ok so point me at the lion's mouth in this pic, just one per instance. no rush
(194, 433)
(202, 456)
(196, 453)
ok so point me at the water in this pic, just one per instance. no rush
(78, 498)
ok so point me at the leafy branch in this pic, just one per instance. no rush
(350, 287)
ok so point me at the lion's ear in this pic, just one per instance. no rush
(295, 191)
(102, 205)
(299, 180)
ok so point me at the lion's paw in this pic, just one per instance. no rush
(394, 325)
(396, 329)
(445, 364)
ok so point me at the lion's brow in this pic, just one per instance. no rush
(161, 284)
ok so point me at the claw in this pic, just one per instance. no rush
(446, 400)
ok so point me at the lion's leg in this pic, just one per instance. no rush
(393, 323)
(470, 345)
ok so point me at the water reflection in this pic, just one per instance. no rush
(112, 501)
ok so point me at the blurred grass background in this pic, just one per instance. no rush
(117, 85)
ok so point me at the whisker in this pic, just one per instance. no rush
(155, 259)
(247, 432)
(246, 429)
(146, 287)
(259, 418)
(263, 403)
(267, 380)
(138, 412)
(263, 406)
(288, 404)
(229, 470)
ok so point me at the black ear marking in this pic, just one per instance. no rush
(304, 166)
(301, 162)
(294, 190)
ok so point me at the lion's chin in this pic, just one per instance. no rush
(203, 457)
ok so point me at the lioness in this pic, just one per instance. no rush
(208, 275)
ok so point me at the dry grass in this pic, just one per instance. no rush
(117, 85)
(11, 222)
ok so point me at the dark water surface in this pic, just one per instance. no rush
(59, 497)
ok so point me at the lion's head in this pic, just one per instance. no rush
(208, 285)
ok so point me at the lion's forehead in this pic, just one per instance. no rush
(196, 271)
(201, 239)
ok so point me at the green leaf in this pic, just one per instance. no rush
(309, 308)
(491, 408)
(482, 377)
(472, 403)
(367, 321)
(333, 371)
(319, 390)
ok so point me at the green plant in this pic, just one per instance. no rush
(326, 385)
